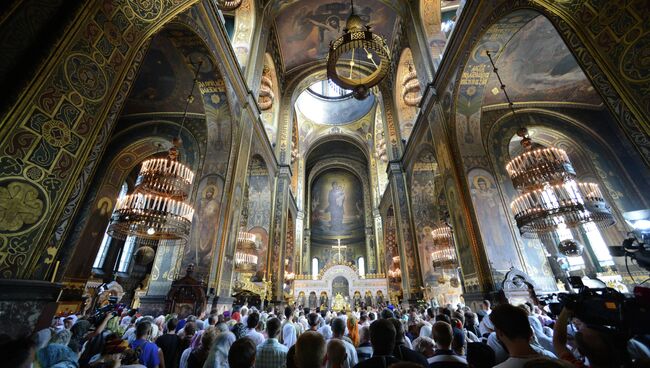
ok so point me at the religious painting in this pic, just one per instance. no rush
(337, 209)
(203, 234)
(492, 219)
(425, 211)
(306, 28)
(460, 233)
(556, 76)
(259, 194)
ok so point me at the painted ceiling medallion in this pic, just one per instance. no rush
(359, 59)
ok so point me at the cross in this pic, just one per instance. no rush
(339, 247)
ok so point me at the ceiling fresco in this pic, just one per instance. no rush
(536, 65)
(163, 82)
(305, 28)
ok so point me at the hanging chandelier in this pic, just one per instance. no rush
(444, 254)
(156, 209)
(411, 88)
(358, 47)
(550, 196)
(228, 5)
(246, 254)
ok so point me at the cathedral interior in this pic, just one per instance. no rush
(183, 155)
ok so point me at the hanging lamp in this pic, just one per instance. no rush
(359, 46)
(550, 195)
(156, 210)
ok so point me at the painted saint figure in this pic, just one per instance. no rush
(336, 199)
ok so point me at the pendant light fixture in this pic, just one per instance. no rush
(156, 209)
(550, 197)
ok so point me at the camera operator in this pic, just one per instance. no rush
(600, 349)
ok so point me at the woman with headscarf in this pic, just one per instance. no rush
(78, 338)
(114, 326)
(199, 355)
(57, 356)
(160, 323)
(61, 337)
(239, 330)
(218, 357)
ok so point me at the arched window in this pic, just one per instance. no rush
(314, 267)
(361, 263)
(127, 254)
(106, 240)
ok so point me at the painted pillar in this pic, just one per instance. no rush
(277, 239)
(411, 275)
(222, 266)
(379, 241)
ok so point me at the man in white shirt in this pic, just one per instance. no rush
(251, 332)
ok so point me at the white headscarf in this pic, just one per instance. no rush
(218, 356)
(289, 335)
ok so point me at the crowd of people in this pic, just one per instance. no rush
(506, 336)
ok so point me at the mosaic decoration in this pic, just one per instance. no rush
(305, 29)
(75, 93)
(21, 206)
(425, 210)
(406, 112)
(411, 270)
(615, 31)
(431, 17)
(493, 221)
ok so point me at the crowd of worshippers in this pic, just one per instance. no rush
(504, 336)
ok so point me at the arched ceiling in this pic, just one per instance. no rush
(335, 149)
(164, 81)
(554, 75)
(305, 28)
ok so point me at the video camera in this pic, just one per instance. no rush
(637, 247)
(608, 308)
(112, 307)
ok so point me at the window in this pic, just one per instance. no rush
(598, 245)
(106, 240)
(103, 251)
(229, 24)
(127, 254)
(362, 266)
(314, 268)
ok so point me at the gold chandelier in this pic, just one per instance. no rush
(550, 196)
(246, 253)
(444, 254)
(156, 209)
(358, 43)
(228, 5)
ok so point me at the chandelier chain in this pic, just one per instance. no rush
(190, 98)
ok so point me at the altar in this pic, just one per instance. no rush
(340, 287)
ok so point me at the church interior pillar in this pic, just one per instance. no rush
(411, 276)
(277, 239)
